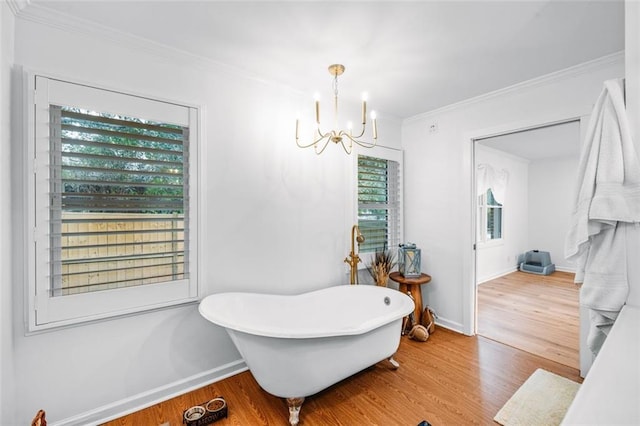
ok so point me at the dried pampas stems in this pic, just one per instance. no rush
(381, 265)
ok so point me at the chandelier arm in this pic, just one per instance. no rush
(348, 151)
(320, 137)
(304, 146)
(358, 136)
(363, 144)
(326, 143)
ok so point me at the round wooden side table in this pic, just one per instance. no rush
(413, 286)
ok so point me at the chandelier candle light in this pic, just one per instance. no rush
(344, 138)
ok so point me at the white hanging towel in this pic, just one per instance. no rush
(607, 201)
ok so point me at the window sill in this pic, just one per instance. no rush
(62, 325)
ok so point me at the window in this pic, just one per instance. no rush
(489, 217)
(114, 205)
(379, 200)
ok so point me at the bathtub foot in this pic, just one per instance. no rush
(294, 409)
(394, 364)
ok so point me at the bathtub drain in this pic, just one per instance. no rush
(387, 301)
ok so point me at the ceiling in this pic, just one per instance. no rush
(411, 57)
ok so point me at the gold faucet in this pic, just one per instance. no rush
(353, 259)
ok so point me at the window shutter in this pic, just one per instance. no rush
(378, 203)
(393, 183)
(119, 200)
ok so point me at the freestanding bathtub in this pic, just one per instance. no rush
(296, 346)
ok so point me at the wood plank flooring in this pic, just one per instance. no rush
(536, 313)
(451, 379)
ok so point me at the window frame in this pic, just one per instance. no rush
(46, 311)
(483, 221)
(384, 153)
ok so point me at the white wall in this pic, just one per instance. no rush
(552, 184)
(6, 355)
(438, 193)
(496, 258)
(275, 219)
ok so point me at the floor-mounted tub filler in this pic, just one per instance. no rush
(296, 346)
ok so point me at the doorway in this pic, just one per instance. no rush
(526, 205)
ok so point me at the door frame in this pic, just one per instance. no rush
(469, 296)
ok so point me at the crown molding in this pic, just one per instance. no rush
(43, 15)
(17, 6)
(573, 71)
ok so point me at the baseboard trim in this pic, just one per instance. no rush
(497, 275)
(450, 325)
(501, 274)
(146, 399)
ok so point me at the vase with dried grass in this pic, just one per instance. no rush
(380, 267)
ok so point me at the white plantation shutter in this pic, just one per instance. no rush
(379, 203)
(119, 197)
(115, 204)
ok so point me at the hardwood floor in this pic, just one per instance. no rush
(536, 313)
(451, 379)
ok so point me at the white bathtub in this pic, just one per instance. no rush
(296, 346)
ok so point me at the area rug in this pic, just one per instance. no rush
(542, 400)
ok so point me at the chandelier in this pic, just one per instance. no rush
(342, 137)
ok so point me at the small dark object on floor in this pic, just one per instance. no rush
(424, 423)
(205, 413)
